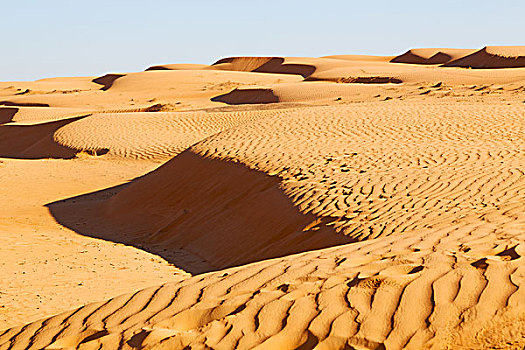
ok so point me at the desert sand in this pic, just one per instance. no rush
(339, 202)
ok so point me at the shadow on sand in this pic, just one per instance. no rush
(34, 141)
(274, 65)
(7, 114)
(247, 96)
(107, 80)
(200, 214)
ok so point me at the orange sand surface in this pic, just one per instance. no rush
(340, 202)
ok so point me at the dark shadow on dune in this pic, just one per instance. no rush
(7, 114)
(247, 96)
(482, 59)
(34, 141)
(274, 65)
(411, 58)
(277, 65)
(26, 91)
(107, 80)
(156, 68)
(438, 58)
(370, 80)
(360, 80)
(219, 211)
(23, 104)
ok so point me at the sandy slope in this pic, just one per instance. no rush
(315, 205)
(443, 289)
(431, 56)
(46, 268)
(332, 162)
(146, 135)
(176, 89)
(492, 57)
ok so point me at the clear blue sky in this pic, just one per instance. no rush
(45, 38)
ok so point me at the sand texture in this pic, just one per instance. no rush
(340, 202)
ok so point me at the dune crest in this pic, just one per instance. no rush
(492, 57)
(7, 114)
(431, 56)
(34, 141)
(277, 65)
(177, 213)
(107, 80)
(247, 96)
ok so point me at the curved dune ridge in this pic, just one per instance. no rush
(492, 57)
(138, 135)
(7, 114)
(285, 93)
(29, 115)
(34, 141)
(264, 65)
(247, 96)
(146, 135)
(23, 104)
(107, 80)
(431, 56)
(331, 163)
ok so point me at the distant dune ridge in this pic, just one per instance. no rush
(247, 96)
(486, 58)
(431, 56)
(492, 57)
(264, 65)
(338, 202)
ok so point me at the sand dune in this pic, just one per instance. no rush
(135, 92)
(47, 269)
(7, 114)
(275, 65)
(49, 85)
(341, 67)
(331, 177)
(362, 69)
(146, 135)
(342, 159)
(107, 80)
(365, 89)
(34, 115)
(34, 141)
(248, 96)
(492, 57)
(294, 93)
(23, 104)
(307, 67)
(340, 202)
(137, 135)
(184, 89)
(431, 56)
(255, 214)
(363, 295)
